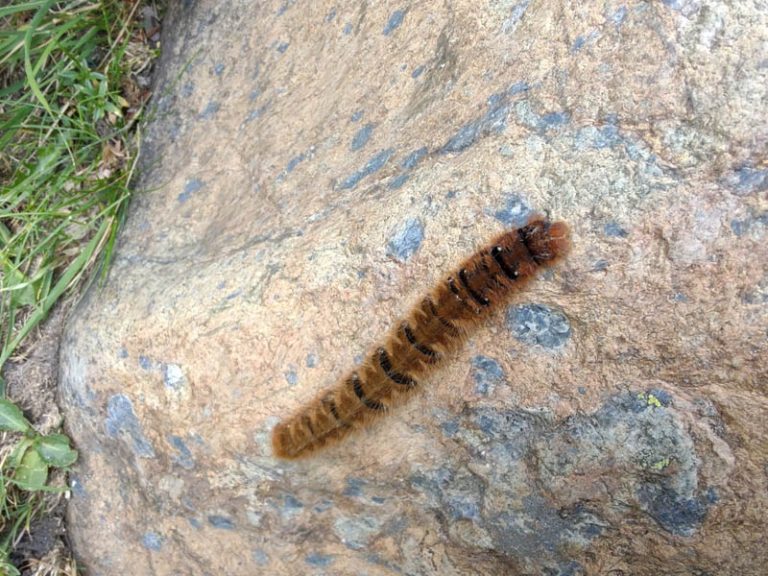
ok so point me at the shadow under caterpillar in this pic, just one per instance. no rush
(417, 345)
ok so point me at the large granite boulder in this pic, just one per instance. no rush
(310, 170)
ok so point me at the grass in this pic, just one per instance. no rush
(70, 99)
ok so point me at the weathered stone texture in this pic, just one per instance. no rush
(312, 168)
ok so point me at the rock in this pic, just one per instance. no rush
(310, 172)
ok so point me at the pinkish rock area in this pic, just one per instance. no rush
(310, 169)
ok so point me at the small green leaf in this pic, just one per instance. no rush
(14, 460)
(32, 472)
(11, 417)
(19, 285)
(54, 450)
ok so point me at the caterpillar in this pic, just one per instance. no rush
(416, 346)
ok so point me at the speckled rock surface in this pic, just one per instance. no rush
(312, 169)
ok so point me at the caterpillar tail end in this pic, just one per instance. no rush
(282, 443)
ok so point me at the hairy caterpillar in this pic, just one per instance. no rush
(429, 333)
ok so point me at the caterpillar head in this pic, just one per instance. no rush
(547, 241)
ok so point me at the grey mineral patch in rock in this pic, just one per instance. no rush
(291, 166)
(191, 187)
(221, 521)
(152, 541)
(121, 419)
(746, 180)
(183, 455)
(361, 137)
(606, 136)
(408, 164)
(601, 265)
(354, 487)
(356, 533)
(514, 212)
(494, 120)
(210, 110)
(394, 22)
(539, 324)
(676, 513)
(753, 224)
(174, 378)
(77, 487)
(291, 376)
(539, 530)
(413, 158)
(637, 433)
(319, 560)
(398, 181)
(487, 374)
(187, 89)
(376, 163)
(260, 557)
(634, 435)
(406, 240)
(614, 230)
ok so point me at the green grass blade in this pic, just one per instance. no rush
(30, 71)
(64, 282)
(22, 7)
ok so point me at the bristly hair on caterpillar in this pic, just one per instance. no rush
(416, 345)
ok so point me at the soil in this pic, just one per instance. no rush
(31, 379)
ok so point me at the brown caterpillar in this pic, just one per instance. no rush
(416, 345)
